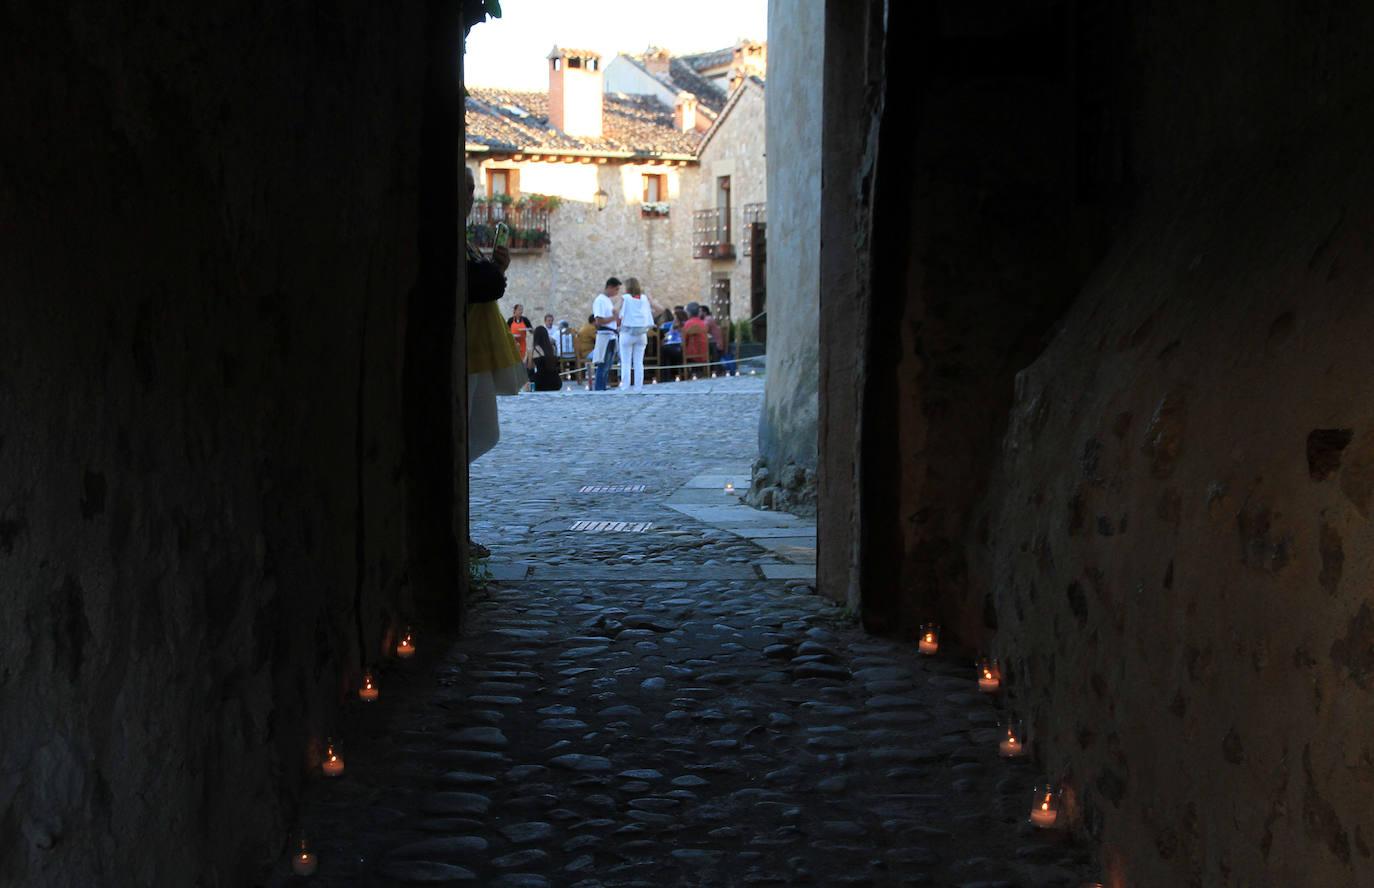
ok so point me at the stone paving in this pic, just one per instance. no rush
(644, 707)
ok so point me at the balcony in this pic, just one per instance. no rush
(527, 218)
(711, 235)
(755, 225)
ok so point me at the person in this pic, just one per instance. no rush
(695, 340)
(604, 316)
(716, 345)
(519, 328)
(545, 361)
(494, 365)
(553, 331)
(586, 338)
(636, 317)
(670, 354)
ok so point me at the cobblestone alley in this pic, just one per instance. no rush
(659, 697)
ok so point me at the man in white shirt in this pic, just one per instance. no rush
(606, 320)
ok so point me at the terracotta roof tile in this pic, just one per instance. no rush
(513, 120)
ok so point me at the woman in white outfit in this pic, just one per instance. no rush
(636, 317)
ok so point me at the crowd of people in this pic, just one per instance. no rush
(624, 321)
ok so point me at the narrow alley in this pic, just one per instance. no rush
(646, 707)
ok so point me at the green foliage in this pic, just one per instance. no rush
(539, 202)
(743, 332)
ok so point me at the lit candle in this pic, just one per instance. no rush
(1010, 747)
(303, 863)
(368, 692)
(405, 648)
(677, 379)
(1045, 812)
(333, 764)
(989, 676)
(753, 372)
(729, 487)
(930, 639)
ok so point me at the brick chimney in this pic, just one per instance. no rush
(657, 61)
(575, 91)
(685, 113)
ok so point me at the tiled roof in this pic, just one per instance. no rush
(683, 76)
(714, 59)
(511, 120)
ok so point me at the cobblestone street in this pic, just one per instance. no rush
(659, 697)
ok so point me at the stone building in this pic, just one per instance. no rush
(617, 165)
(620, 150)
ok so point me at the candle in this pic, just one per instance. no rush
(1011, 745)
(989, 676)
(333, 764)
(368, 692)
(729, 487)
(303, 863)
(930, 639)
(1045, 813)
(405, 648)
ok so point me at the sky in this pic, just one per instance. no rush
(511, 51)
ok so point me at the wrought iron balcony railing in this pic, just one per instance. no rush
(529, 226)
(755, 224)
(711, 235)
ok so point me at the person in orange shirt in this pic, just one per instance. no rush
(696, 339)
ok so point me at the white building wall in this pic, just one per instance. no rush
(624, 76)
(587, 246)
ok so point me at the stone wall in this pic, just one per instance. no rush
(211, 238)
(1178, 543)
(586, 246)
(735, 149)
(788, 427)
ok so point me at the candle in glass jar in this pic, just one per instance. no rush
(303, 863)
(729, 487)
(333, 764)
(989, 676)
(1045, 812)
(368, 692)
(930, 639)
(1011, 745)
(405, 648)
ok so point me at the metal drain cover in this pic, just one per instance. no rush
(611, 526)
(613, 488)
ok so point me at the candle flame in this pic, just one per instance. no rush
(930, 636)
(987, 673)
(1045, 805)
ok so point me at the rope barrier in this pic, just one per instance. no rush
(587, 370)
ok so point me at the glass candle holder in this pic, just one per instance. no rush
(929, 642)
(333, 764)
(368, 693)
(303, 862)
(405, 648)
(1044, 812)
(989, 676)
(729, 487)
(1012, 744)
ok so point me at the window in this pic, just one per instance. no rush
(723, 208)
(655, 188)
(574, 62)
(503, 182)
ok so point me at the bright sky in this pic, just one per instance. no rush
(511, 51)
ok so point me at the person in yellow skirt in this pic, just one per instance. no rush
(494, 365)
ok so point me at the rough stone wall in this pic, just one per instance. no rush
(586, 246)
(735, 150)
(210, 229)
(788, 427)
(1178, 545)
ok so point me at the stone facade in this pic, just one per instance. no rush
(215, 247)
(586, 245)
(734, 147)
(788, 428)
